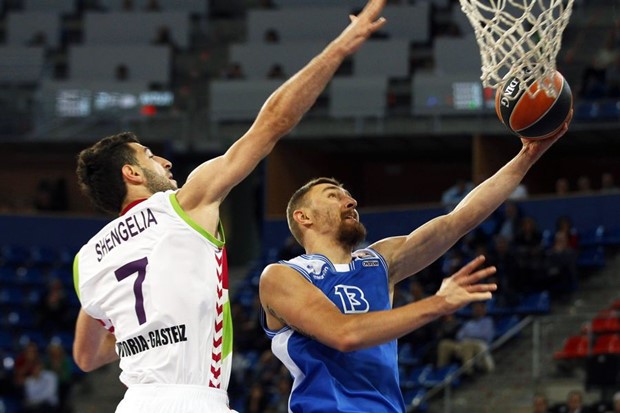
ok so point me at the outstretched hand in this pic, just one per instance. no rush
(463, 288)
(362, 26)
(540, 146)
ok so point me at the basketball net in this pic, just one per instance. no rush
(518, 38)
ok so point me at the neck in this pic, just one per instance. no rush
(335, 252)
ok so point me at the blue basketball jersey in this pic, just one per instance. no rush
(325, 379)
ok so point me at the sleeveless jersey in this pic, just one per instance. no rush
(325, 379)
(159, 282)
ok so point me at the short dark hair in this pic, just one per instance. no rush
(298, 199)
(99, 171)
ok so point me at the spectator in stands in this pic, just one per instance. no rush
(616, 402)
(564, 224)
(529, 251)
(234, 71)
(560, 266)
(473, 337)
(540, 404)
(584, 186)
(453, 195)
(574, 402)
(41, 390)
(613, 78)
(508, 217)
(519, 193)
(163, 37)
(271, 36)
(276, 72)
(127, 5)
(562, 187)
(53, 313)
(424, 334)
(503, 258)
(38, 39)
(593, 78)
(121, 73)
(608, 184)
(152, 5)
(58, 362)
(25, 363)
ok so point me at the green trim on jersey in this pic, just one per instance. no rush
(76, 275)
(227, 347)
(183, 215)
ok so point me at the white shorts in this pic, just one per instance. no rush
(173, 398)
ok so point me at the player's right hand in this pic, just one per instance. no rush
(362, 26)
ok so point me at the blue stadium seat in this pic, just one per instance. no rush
(35, 336)
(10, 405)
(535, 303)
(6, 340)
(592, 237)
(29, 276)
(44, 256)
(415, 377)
(438, 376)
(14, 255)
(592, 257)
(11, 296)
(504, 324)
(21, 319)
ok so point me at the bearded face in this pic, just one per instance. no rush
(157, 183)
(350, 233)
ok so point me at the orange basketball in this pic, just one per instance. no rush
(534, 117)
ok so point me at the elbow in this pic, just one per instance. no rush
(85, 360)
(347, 342)
(85, 364)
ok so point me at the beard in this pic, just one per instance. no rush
(157, 183)
(351, 234)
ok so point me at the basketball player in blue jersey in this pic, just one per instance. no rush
(328, 312)
(156, 276)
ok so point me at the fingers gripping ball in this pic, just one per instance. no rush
(538, 116)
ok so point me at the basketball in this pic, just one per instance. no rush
(538, 116)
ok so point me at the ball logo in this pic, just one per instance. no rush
(509, 92)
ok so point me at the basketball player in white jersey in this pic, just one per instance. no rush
(156, 276)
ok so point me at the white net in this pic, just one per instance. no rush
(518, 38)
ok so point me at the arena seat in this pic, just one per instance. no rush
(239, 100)
(388, 57)
(23, 27)
(192, 6)
(438, 375)
(607, 344)
(257, 58)
(454, 55)
(138, 28)
(358, 97)
(62, 6)
(602, 325)
(98, 63)
(21, 65)
(574, 347)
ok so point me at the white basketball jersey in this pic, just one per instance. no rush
(159, 282)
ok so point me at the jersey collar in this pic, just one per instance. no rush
(131, 205)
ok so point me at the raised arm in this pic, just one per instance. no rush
(288, 299)
(406, 255)
(211, 181)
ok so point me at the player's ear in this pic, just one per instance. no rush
(132, 174)
(301, 217)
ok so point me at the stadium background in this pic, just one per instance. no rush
(403, 120)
